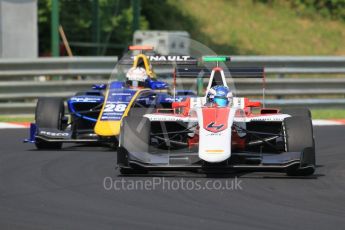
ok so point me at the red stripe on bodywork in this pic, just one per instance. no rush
(215, 119)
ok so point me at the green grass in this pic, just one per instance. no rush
(16, 118)
(328, 113)
(249, 27)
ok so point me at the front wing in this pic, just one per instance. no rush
(238, 160)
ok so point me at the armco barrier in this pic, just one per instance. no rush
(23, 80)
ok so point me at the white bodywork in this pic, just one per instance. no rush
(168, 117)
(216, 147)
(198, 102)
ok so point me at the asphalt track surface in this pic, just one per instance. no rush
(65, 190)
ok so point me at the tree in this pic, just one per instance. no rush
(115, 20)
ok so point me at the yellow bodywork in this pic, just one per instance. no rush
(147, 65)
(112, 128)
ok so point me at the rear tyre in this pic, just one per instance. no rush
(298, 133)
(49, 114)
(134, 137)
(304, 112)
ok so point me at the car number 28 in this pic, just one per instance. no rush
(115, 107)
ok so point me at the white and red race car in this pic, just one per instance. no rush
(195, 136)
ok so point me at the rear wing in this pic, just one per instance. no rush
(234, 72)
(218, 75)
(141, 48)
(155, 59)
(162, 60)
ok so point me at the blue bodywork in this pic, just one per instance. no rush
(116, 103)
(156, 84)
(96, 97)
(33, 130)
(85, 107)
(83, 99)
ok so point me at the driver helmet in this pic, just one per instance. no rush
(136, 76)
(219, 95)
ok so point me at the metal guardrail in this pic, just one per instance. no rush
(64, 66)
(22, 90)
(294, 64)
(21, 80)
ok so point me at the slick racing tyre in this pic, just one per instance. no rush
(49, 114)
(304, 112)
(298, 136)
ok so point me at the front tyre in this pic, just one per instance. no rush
(298, 135)
(49, 114)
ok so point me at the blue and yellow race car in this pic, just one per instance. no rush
(95, 116)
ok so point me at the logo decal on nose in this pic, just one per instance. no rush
(215, 119)
(213, 126)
